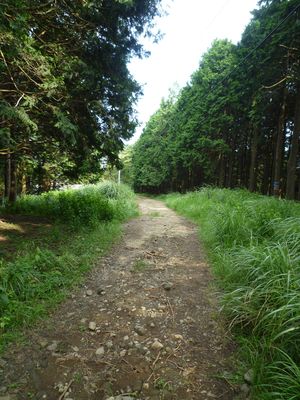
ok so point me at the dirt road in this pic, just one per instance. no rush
(145, 324)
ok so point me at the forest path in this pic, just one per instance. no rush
(144, 324)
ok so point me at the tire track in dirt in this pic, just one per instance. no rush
(145, 323)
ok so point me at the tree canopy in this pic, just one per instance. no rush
(237, 122)
(66, 93)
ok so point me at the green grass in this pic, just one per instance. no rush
(139, 266)
(254, 245)
(88, 206)
(44, 269)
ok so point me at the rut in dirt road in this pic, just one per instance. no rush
(143, 326)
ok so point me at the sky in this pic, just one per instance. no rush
(188, 32)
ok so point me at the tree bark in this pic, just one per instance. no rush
(7, 175)
(230, 170)
(279, 147)
(13, 182)
(267, 173)
(222, 171)
(253, 164)
(292, 161)
(23, 183)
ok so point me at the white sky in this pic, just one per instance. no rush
(189, 30)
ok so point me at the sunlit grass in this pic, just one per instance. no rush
(254, 246)
(88, 205)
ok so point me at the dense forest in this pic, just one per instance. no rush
(67, 96)
(237, 122)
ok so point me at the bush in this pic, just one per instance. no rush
(89, 205)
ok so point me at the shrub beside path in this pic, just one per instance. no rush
(145, 323)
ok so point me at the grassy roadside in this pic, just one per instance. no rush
(254, 246)
(45, 266)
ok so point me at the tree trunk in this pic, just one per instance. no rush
(28, 184)
(222, 171)
(292, 161)
(253, 164)
(23, 183)
(266, 177)
(279, 147)
(240, 169)
(13, 182)
(40, 176)
(7, 175)
(230, 170)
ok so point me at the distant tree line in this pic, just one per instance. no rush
(237, 122)
(66, 95)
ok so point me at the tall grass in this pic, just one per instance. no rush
(38, 277)
(88, 205)
(254, 244)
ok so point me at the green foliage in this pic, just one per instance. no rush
(183, 141)
(254, 245)
(126, 160)
(121, 198)
(111, 190)
(151, 158)
(64, 80)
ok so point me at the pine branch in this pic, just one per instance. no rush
(9, 72)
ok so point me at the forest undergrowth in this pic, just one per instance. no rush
(253, 243)
(83, 225)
